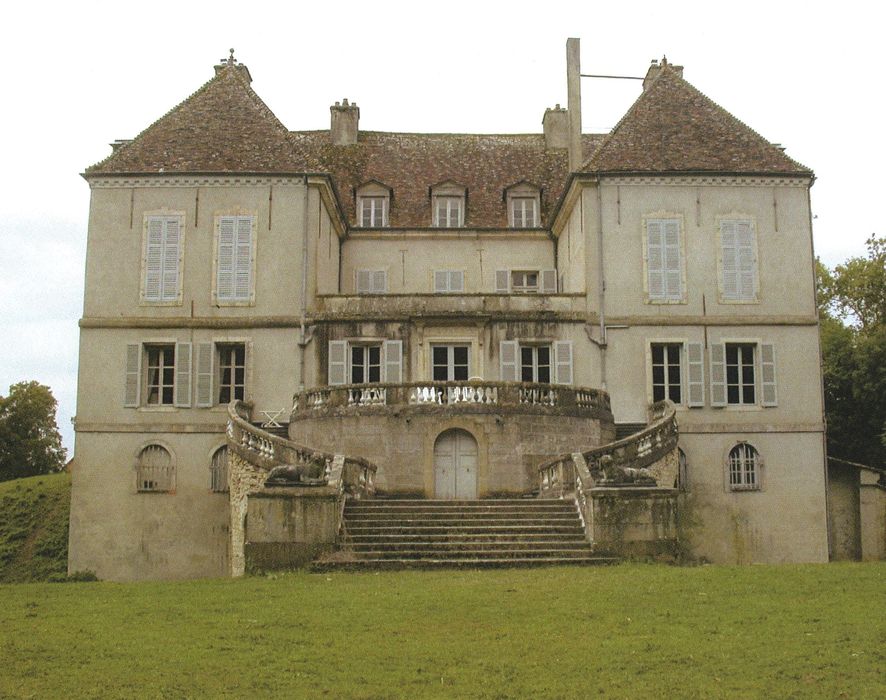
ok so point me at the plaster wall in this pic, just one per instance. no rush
(844, 512)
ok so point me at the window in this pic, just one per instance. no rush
(681, 482)
(365, 362)
(231, 372)
(450, 362)
(744, 468)
(160, 376)
(524, 212)
(546, 363)
(449, 281)
(157, 375)
(154, 469)
(373, 211)
(448, 211)
(664, 260)
(234, 263)
(738, 261)
(372, 281)
(526, 281)
(666, 372)
(162, 259)
(218, 470)
(743, 373)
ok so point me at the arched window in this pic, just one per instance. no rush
(744, 467)
(682, 480)
(154, 469)
(218, 470)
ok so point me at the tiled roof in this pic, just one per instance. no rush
(225, 127)
(672, 127)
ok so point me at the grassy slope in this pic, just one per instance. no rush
(629, 631)
(34, 528)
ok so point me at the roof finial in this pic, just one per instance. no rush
(664, 60)
(231, 59)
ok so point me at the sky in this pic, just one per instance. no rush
(80, 75)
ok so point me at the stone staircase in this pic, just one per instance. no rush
(397, 534)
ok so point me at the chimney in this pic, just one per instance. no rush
(573, 105)
(655, 68)
(343, 128)
(555, 125)
(231, 62)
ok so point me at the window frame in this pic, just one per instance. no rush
(221, 347)
(449, 276)
(169, 479)
(449, 192)
(165, 297)
(162, 368)
(743, 449)
(665, 298)
(723, 297)
(237, 215)
(450, 360)
(668, 345)
(362, 201)
(534, 365)
(219, 474)
(373, 280)
(365, 348)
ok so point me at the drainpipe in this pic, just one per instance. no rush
(303, 341)
(601, 285)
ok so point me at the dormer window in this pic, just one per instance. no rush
(523, 205)
(373, 203)
(448, 202)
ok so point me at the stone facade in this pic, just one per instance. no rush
(231, 258)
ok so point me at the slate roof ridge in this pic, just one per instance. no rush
(667, 72)
(538, 135)
(235, 73)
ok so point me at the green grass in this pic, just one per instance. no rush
(34, 528)
(630, 631)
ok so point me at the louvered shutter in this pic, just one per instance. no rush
(507, 356)
(204, 375)
(171, 253)
(393, 360)
(441, 281)
(364, 282)
(502, 281)
(338, 362)
(718, 374)
(456, 281)
(746, 262)
(154, 259)
(183, 375)
(563, 361)
(379, 282)
(767, 375)
(548, 281)
(243, 259)
(133, 375)
(226, 251)
(729, 253)
(672, 266)
(695, 374)
(655, 259)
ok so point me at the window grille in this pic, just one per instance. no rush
(154, 469)
(744, 468)
(218, 470)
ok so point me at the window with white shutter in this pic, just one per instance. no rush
(563, 361)
(502, 281)
(338, 362)
(133, 375)
(449, 281)
(718, 374)
(234, 264)
(393, 358)
(162, 259)
(205, 373)
(372, 281)
(548, 281)
(768, 387)
(507, 356)
(738, 261)
(664, 263)
(183, 375)
(695, 365)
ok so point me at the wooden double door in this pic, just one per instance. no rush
(455, 465)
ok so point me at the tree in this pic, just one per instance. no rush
(852, 306)
(30, 443)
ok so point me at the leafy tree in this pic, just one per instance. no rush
(30, 443)
(852, 306)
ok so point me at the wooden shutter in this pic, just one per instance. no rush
(563, 361)
(338, 362)
(672, 267)
(507, 357)
(154, 259)
(695, 374)
(456, 281)
(746, 261)
(379, 282)
(364, 281)
(183, 375)
(441, 281)
(655, 259)
(548, 281)
(718, 374)
(393, 361)
(171, 254)
(729, 255)
(663, 264)
(226, 252)
(502, 281)
(243, 259)
(204, 374)
(133, 375)
(768, 387)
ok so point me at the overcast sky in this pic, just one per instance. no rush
(79, 75)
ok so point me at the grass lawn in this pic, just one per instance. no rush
(626, 632)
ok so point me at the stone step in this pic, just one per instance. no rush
(463, 515)
(469, 522)
(476, 554)
(477, 503)
(469, 546)
(466, 529)
(456, 537)
(489, 563)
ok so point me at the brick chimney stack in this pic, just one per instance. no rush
(344, 125)
(555, 125)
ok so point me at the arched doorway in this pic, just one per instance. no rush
(455, 465)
